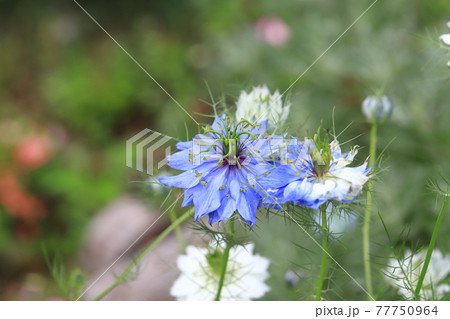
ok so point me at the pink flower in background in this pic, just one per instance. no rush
(272, 30)
(33, 151)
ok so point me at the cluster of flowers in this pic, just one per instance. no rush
(239, 166)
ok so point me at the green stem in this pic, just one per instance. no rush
(178, 234)
(120, 279)
(431, 246)
(323, 265)
(368, 211)
(226, 253)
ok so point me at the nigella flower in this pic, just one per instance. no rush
(222, 168)
(404, 274)
(201, 269)
(316, 172)
(259, 105)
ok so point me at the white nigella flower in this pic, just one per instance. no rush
(405, 273)
(201, 268)
(259, 105)
(446, 39)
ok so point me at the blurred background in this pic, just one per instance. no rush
(70, 98)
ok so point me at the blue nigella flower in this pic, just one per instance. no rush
(222, 168)
(316, 172)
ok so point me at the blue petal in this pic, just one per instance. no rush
(272, 198)
(276, 177)
(183, 180)
(297, 191)
(314, 204)
(190, 178)
(235, 189)
(227, 208)
(208, 199)
(218, 124)
(180, 160)
(247, 206)
(189, 196)
(184, 145)
(213, 217)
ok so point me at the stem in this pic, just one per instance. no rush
(226, 253)
(178, 234)
(368, 211)
(130, 267)
(431, 246)
(323, 265)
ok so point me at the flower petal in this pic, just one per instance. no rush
(445, 38)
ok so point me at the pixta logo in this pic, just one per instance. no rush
(144, 145)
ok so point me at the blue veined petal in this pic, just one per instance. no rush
(208, 199)
(194, 156)
(277, 177)
(297, 191)
(189, 195)
(213, 217)
(217, 124)
(180, 160)
(188, 179)
(224, 212)
(235, 189)
(229, 207)
(183, 180)
(184, 145)
(315, 204)
(247, 206)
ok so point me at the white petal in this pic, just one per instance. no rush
(244, 279)
(445, 38)
(193, 260)
(256, 288)
(183, 287)
(441, 290)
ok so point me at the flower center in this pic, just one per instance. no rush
(321, 155)
(321, 162)
(232, 145)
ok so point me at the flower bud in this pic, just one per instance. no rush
(377, 108)
(259, 105)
